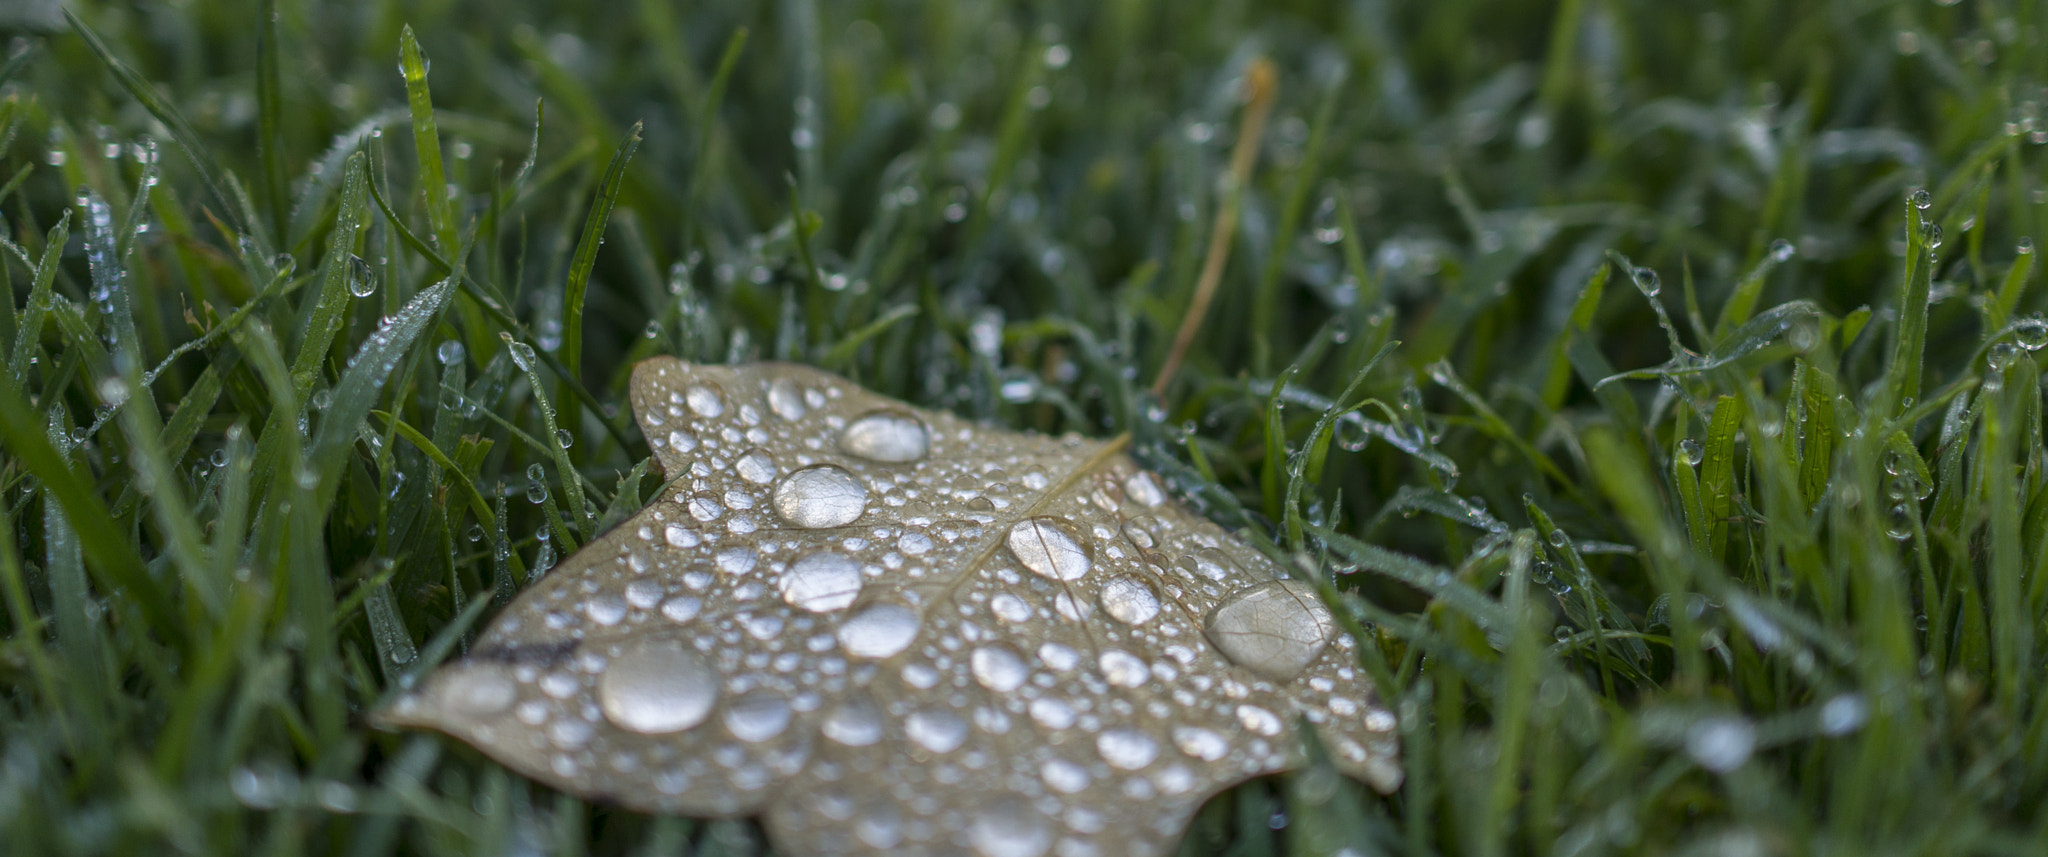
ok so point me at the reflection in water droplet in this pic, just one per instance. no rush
(1009, 827)
(478, 692)
(1126, 748)
(821, 582)
(821, 496)
(886, 435)
(656, 686)
(1046, 547)
(879, 631)
(786, 399)
(1207, 745)
(757, 716)
(999, 668)
(937, 730)
(1129, 599)
(756, 466)
(855, 723)
(1275, 629)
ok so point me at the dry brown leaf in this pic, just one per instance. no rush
(889, 630)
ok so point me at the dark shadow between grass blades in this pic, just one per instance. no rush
(889, 630)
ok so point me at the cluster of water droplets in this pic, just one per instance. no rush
(890, 630)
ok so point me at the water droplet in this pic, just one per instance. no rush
(1325, 223)
(757, 716)
(1009, 827)
(1143, 488)
(656, 686)
(1207, 745)
(1933, 235)
(1899, 522)
(1782, 250)
(478, 692)
(1922, 199)
(1274, 629)
(786, 399)
(652, 330)
(937, 730)
(1126, 748)
(1123, 669)
(821, 582)
(564, 439)
(756, 466)
(537, 492)
(1129, 599)
(680, 536)
(476, 532)
(1045, 546)
(1259, 720)
(855, 722)
(681, 608)
(879, 631)
(1009, 608)
(887, 435)
(1647, 282)
(1720, 744)
(362, 282)
(2031, 333)
(704, 400)
(1063, 776)
(522, 355)
(820, 496)
(1690, 452)
(2001, 355)
(321, 399)
(999, 668)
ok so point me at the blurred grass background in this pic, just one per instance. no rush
(318, 329)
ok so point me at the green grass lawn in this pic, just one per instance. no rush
(1696, 505)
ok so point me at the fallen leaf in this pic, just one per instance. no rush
(889, 630)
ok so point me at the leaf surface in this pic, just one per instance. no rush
(890, 630)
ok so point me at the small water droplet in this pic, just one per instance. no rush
(1009, 827)
(657, 686)
(1921, 199)
(756, 466)
(1123, 669)
(2031, 333)
(1126, 748)
(1328, 228)
(887, 435)
(449, 352)
(705, 400)
(362, 282)
(757, 716)
(2001, 355)
(937, 730)
(1782, 250)
(1690, 452)
(1843, 714)
(1205, 744)
(786, 399)
(1647, 282)
(856, 722)
(998, 668)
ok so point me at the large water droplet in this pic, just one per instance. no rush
(1207, 745)
(857, 722)
(786, 399)
(1046, 547)
(937, 729)
(757, 716)
(756, 466)
(657, 686)
(1009, 827)
(820, 496)
(879, 631)
(1129, 599)
(1274, 629)
(999, 668)
(821, 582)
(886, 435)
(1126, 748)
(478, 692)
